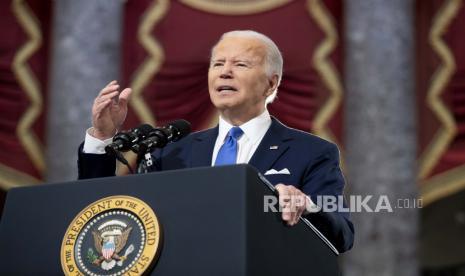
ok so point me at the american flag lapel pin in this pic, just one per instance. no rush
(273, 147)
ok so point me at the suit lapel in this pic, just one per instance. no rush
(274, 144)
(202, 148)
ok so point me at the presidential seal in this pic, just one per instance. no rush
(117, 235)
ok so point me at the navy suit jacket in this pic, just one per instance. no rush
(313, 164)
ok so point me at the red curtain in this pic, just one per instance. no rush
(440, 84)
(23, 75)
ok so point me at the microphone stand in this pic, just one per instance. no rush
(111, 151)
(123, 160)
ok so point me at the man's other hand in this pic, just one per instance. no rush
(292, 202)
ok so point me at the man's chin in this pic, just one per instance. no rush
(222, 105)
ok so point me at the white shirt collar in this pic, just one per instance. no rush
(253, 130)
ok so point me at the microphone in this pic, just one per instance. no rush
(124, 141)
(159, 137)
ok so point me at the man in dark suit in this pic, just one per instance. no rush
(244, 74)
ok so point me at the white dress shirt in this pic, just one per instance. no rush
(254, 131)
(95, 145)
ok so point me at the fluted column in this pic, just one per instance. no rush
(380, 134)
(86, 54)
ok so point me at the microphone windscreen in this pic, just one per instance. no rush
(144, 129)
(181, 127)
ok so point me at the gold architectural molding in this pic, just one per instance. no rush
(149, 67)
(228, 7)
(444, 136)
(443, 185)
(29, 84)
(10, 178)
(152, 63)
(325, 68)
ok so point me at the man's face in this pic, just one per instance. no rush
(237, 79)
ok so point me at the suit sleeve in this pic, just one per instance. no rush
(95, 165)
(324, 178)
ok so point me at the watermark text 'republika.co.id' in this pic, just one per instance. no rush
(352, 203)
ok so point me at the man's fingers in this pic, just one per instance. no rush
(300, 207)
(292, 202)
(281, 188)
(106, 97)
(108, 89)
(286, 214)
(284, 202)
(124, 96)
(296, 205)
(111, 83)
(98, 108)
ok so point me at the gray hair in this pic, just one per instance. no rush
(273, 59)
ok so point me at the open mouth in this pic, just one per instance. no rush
(225, 88)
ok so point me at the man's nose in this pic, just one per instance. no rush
(226, 71)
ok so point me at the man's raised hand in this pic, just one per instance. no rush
(109, 110)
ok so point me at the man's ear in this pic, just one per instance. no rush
(273, 83)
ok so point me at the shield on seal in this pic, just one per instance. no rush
(108, 248)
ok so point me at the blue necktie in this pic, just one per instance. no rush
(228, 151)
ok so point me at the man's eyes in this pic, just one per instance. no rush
(238, 64)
